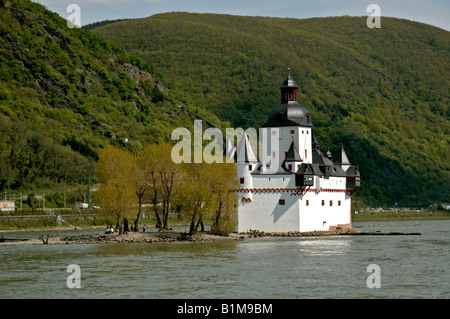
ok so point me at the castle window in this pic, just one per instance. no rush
(292, 132)
(339, 203)
(290, 167)
(307, 202)
(323, 202)
(306, 154)
(250, 167)
(331, 203)
(281, 202)
(298, 166)
(241, 180)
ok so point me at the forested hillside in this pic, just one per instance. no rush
(383, 93)
(66, 93)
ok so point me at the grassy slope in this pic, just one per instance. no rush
(384, 93)
(66, 93)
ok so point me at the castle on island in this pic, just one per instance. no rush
(306, 190)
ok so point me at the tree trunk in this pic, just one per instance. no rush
(199, 222)
(192, 227)
(136, 222)
(155, 208)
(216, 223)
(125, 225)
(119, 224)
(166, 215)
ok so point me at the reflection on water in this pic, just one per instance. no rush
(311, 267)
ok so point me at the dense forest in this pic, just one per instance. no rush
(67, 93)
(382, 93)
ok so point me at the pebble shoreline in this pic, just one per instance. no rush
(167, 236)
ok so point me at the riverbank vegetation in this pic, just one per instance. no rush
(394, 215)
(200, 190)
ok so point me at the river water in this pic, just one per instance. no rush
(312, 267)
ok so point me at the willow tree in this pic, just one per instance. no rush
(116, 195)
(170, 175)
(205, 194)
(223, 178)
(147, 179)
(195, 194)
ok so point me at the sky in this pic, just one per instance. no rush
(434, 12)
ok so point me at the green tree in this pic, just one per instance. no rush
(116, 195)
(195, 195)
(170, 176)
(145, 179)
(223, 178)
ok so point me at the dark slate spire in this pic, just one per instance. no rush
(293, 154)
(315, 143)
(245, 152)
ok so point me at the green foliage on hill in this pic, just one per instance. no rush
(67, 93)
(383, 93)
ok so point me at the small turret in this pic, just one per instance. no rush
(353, 181)
(293, 160)
(304, 176)
(247, 162)
(343, 160)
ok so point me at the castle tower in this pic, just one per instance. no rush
(306, 191)
(293, 122)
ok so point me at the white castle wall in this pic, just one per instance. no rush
(315, 210)
(264, 212)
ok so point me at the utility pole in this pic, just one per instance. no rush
(89, 190)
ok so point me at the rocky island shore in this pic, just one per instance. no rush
(177, 236)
